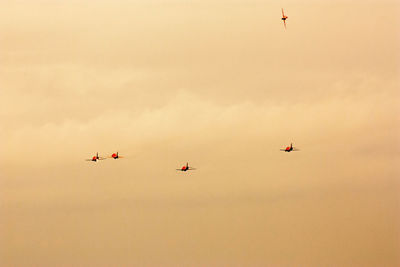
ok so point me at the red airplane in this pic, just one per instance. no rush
(290, 148)
(186, 168)
(95, 158)
(115, 156)
(284, 18)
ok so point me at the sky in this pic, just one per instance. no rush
(221, 85)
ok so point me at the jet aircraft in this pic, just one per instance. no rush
(116, 156)
(95, 158)
(284, 18)
(186, 168)
(290, 148)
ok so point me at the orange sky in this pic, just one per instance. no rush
(222, 85)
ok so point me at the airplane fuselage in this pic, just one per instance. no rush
(288, 149)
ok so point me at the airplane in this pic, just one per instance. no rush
(290, 148)
(186, 168)
(115, 156)
(284, 18)
(95, 158)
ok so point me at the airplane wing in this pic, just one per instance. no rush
(284, 23)
(88, 159)
(282, 149)
(190, 168)
(283, 14)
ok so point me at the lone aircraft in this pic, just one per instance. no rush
(186, 168)
(290, 148)
(95, 158)
(116, 156)
(284, 18)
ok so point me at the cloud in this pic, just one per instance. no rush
(219, 85)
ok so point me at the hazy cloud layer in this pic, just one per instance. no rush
(223, 86)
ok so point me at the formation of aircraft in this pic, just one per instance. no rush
(186, 167)
(96, 158)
